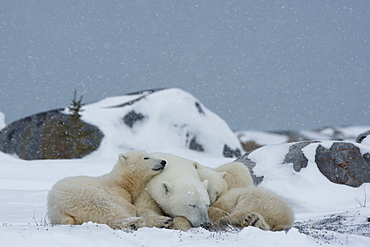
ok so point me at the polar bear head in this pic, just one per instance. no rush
(216, 182)
(190, 201)
(237, 175)
(139, 162)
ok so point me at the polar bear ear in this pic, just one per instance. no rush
(205, 183)
(223, 174)
(122, 157)
(167, 187)
(196, 165)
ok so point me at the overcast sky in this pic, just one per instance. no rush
(262, 65)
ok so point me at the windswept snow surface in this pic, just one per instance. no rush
(23, 216)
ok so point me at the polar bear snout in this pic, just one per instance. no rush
(159, 166)
(206, 225)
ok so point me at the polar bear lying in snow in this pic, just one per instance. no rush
(107, 199)
(244, 204)
(176, 193)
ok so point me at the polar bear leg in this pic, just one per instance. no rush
(281, 227)
(131, 223)
(181, 223)
(62, 218)
(255, 219)
(147, 208)
(218, 217)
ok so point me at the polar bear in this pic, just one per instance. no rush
(107, 199)
(176, 193)
(236, 175)
(216, 181)
(244, 204)
(252, 206)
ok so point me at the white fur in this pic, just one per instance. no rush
(177, 192)
(244, 204)
(252, 206)
(216, 182)
(106, 199)
(236, 175)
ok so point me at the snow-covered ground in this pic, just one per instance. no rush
(327, 214)
(24, 186)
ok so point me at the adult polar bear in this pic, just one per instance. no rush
(176, 193)
(107, 199)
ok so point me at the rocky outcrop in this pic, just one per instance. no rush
(343, 163)
(364, 138)
(296, 155)
(252, 140)
(147, 120)
(50, 135)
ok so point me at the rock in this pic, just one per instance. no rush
(165, 119)
(194, 145)
(343, 163)
(151, 120)
(132, 117)
(199, 108)
(364, 138)
(230, 153)
(296, 155)
(250, 146)
(332, 133)
(50, 135)
(293, 136)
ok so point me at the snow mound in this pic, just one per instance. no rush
(158, 121)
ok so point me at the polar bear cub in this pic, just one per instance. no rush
(236, 175)
(252, 206)
(107, 199)
(244, 204)
(216, 181)
(177, 193)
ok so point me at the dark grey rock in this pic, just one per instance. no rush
(296, 155)
(199, 108)
(343, 163)
(50, 135)
(230, 153)
(132, 117)
(366, 157)
(194, 145)
(362, 136)
(293, 136)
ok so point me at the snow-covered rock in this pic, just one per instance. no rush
(159, 121)
(306, 188)
(152, 120)
(253, 139)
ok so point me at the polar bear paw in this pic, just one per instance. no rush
(255, 219)
(181, 223)
(164, 222)
(131, 223)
